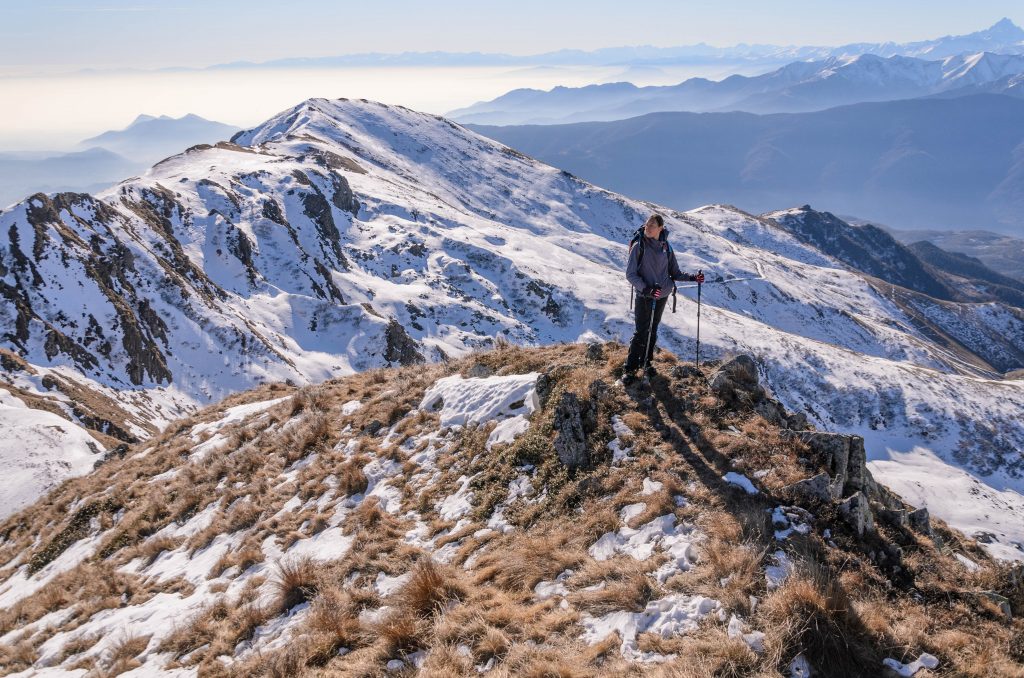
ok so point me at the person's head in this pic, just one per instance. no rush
(653, 225)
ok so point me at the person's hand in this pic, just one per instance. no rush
(653, 291)
(699, 278)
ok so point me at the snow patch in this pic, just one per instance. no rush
(461, 402)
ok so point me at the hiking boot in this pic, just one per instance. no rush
(650, 372)
(629, 377)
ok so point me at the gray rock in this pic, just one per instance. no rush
(772, 411)
(595, 351)
(686, 372)
(372, 428)
(797, 422)
(543, 389)
(844, 457)
(857, 512)
(479, 370)
(818, 488)
(736, 382)
(895, 517)
(401, 348)
(919, 521)
(570, 440)
(598, 389)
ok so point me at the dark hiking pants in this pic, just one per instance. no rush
(643, 322)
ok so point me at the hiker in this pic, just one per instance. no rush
(652, 271)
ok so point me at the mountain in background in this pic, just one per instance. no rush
(797, 87)
(936, 276)
(921, 266)
(341, 236)
(1001, 253)
(894, 162)
(106, 158)
(90, 170)
(149, 139)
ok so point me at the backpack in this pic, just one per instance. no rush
(638, 241)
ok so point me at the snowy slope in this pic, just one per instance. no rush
(302, 249)
(38, 450)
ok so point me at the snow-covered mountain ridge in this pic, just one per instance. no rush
(515, 512)
(343, 235)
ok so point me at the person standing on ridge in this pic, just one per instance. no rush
(652, 271)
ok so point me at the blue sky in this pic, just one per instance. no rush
(144, 33)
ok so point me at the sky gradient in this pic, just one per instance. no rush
(49, 35)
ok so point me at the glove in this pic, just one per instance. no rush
(653, 291)
(699, 278)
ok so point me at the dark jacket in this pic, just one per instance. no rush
(658, 266)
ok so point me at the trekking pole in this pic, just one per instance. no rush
(699, 285)
(650, 332)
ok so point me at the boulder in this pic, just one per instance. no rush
(478, 371)
(736, 382)
(856, 510)
(841, 454)
(679, 372)
(818, 488)
(797, 422)
(595, 351)
(919, 521)
(570, 440)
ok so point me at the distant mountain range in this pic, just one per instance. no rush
(1001, 253)
(800, 86)
(1003, 37)
(895, 162)
(107, 158)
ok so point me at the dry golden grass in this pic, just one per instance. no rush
(840, 602)
(520, 564)
(121, 656)
(430, 589)
(17, 657)
(296, 582)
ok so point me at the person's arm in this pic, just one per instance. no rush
(676, 274)
(633, 270)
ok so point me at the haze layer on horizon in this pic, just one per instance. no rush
(72, 70)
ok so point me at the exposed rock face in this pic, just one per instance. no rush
(816, 488)
(857, 512)
(736, 382)
(401, 348)
(571, 441)
(845, 479)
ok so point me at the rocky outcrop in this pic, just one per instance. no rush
(737, 383)
(844, 477)
(570, 440)
(401, 349)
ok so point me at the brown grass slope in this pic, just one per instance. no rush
(282, 477)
